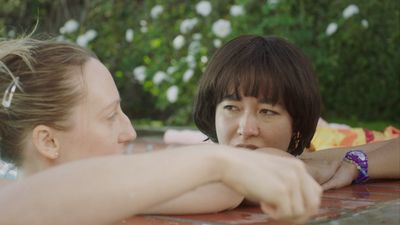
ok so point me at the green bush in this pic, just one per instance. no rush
(357, 63)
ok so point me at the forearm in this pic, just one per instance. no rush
(339, 152)
(385, 162)
(369, 147)
(111, 187)
(209, 198)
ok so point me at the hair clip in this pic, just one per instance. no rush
(9, 93)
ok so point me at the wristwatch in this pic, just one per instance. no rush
(360, 160)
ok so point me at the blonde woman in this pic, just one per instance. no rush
(62, 125)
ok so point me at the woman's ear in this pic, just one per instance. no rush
(46, 143)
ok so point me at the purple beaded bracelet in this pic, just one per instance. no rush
(360, 160)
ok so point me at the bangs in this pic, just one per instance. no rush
(250, 75)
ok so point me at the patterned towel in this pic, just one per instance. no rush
(341, 136)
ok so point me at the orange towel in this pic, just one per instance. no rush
(330, 137)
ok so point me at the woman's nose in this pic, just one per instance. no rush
(248, 126)
(128, 133)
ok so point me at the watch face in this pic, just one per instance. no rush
(360, 155)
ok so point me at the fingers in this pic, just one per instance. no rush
(300, 200)
(308, 198)
(312, 194)
(268, 209)
(282, 185)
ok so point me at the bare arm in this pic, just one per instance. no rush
(108, 189)
(209, 198)
(328, 168)
(112, 187)
(221, 196)
(385, 163)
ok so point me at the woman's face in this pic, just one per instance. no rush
(251, 123)
(99, 125)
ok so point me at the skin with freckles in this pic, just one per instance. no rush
(99, 126)
(99, 118)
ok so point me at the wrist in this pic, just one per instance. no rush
(352, 170)
(360, 161)
(219, 161)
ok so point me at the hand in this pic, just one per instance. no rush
(323, 165)
(281, 185)
(274, 151)
(322, 170)
(346, 173)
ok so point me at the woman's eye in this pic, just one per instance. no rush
(231, 108)
(267, 112)
(113, 116)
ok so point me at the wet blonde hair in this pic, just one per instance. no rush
(49, 85)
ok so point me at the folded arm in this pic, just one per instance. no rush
(329, 169)
(105, 190)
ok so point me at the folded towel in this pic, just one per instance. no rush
(172, 136)
(330, 137)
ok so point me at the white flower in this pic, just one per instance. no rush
(197, 36)
(217, 43)
(191, 61)
(350, 10)
(159, 77)
(194, 47)
(143, 23)
(203, 8)
(331, 29)
(143, 29)
(204, 59)
(221, 28)
(61, 38)
(140, 73)
(364, 23)
(91, 34)
(129, 35)
(69, 27)
(140, 77)
(82, 40)
(171, 69)
(178, 42)
(273, 2)
(188, 24)
(172, 93)
(85, 38)
(156, 11)
(236, 10)
(187, 75)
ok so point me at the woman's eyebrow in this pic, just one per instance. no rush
(231, 97)
(266, 101)
(111, 105)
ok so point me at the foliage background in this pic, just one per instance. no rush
(357, 64)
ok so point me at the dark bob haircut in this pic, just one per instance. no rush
(262, 67)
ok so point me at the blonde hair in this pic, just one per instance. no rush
(46, 89)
